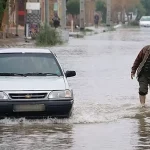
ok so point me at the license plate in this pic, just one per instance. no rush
(26, 108)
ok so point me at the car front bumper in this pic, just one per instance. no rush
(144, 25)
(57, 108)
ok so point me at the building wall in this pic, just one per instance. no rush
(42, 10)
(89, 12)
(21, 12)
(51, 9)
(59, 8)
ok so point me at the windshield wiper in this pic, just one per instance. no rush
(11, 74)
(41, 74)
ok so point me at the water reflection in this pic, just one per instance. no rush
(33, 137)
(144, 134)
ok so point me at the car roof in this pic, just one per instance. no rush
(24, 50)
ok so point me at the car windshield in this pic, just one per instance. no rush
(145, 19)
(29, 64)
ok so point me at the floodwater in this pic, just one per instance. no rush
(107, 114)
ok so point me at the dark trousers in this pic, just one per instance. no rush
(144, 82)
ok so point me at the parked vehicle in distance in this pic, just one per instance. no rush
(33, 84)
(144, 21)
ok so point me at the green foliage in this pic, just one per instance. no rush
(143, 9)
(48, 36)
(140, 11)
(133, 23)
(2, 8)
(146, 5)
(73, 7)
(88, 30)
(101, 6)
(2, 5)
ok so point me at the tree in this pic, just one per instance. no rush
(2, 9)
(101, 6)
(73, 7)
(146, 5)
(124, 6)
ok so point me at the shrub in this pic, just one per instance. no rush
(134, 23)
(88, 30)
(48, 36)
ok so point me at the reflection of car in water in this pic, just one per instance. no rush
(32, 83)
(144, 21)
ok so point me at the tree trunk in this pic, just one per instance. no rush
(123, 16)
(73, 19)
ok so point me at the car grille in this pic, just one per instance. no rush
(27, 95)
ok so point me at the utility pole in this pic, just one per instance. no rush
(63, 18)
(47, 12)
(108, 19)
(16, 5)
(82, 14)
(8, 12)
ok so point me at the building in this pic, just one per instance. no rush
(89, 12)
(21, 12)
(53, 6)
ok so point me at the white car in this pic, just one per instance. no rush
(145, 21)
(33, 84)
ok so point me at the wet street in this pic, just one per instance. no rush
(107, 113)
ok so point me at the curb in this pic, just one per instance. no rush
(10, 45)
(118, 26)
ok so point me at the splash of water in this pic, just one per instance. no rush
(88, 113)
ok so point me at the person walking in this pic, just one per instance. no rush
(142, 67)
(56, 20)
(96, 20)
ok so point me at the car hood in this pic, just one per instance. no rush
(32, 83)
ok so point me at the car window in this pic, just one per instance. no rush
(29, 63)
(145, 19)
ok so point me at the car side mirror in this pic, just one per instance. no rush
(70, 73)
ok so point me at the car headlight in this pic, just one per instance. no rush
(3, 96)
(60, 94)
